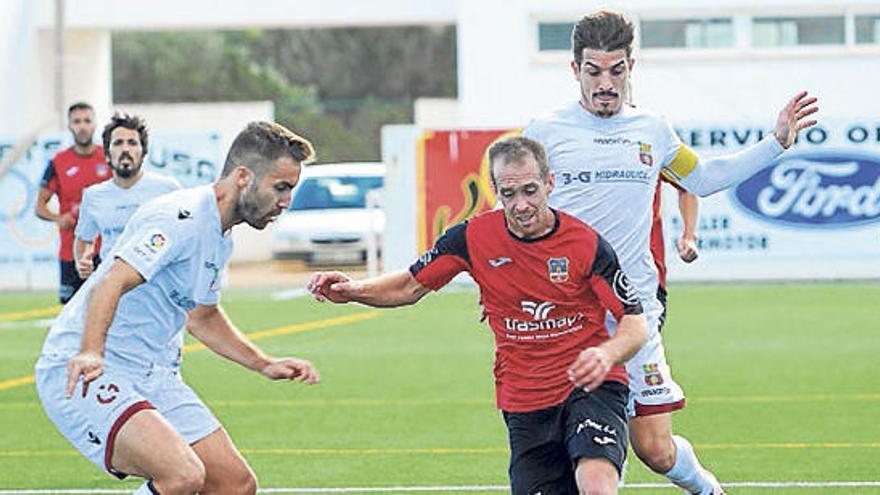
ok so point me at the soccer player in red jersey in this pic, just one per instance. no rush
(67, 174)
(546, 281)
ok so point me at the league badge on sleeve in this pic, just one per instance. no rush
(557, 268)
(151, 245)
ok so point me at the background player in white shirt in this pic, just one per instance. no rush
(607, 157)
(107, 206)
(108, 374)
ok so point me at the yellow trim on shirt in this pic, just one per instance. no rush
(684, 162)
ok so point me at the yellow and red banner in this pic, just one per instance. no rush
(453, 179)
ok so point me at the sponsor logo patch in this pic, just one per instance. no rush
(496, 262)
(539, 311)
(645, 154)
(623, 289)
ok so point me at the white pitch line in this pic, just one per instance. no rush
(285, 295)
(477, 488)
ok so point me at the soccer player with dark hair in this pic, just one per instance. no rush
(67, 175)
(546, 281)
(106, 207)
(607, 156)
(108, 375)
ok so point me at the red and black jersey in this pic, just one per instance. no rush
(545, 299)
(67, 175)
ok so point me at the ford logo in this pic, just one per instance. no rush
(815, 190)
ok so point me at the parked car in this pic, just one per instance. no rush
(328, 220)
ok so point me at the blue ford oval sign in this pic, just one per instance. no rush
(821, 189)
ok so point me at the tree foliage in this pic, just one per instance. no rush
(337, 86)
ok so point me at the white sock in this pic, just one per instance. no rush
(687, 471)
(145, 489)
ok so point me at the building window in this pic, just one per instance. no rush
(554, 36)
(790, 31)
(687, 33)
(868, 29)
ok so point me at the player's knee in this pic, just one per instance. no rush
(247, 483)
(597, 487)
(657, 453)
(189, 477)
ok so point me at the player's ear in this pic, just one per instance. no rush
(243, 176)
(576, 70)
(550, 182)
(631, 62)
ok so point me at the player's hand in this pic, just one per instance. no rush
(792, 118)
(687, 248)
(84, 267)
(89, 365)
(66, 221)
(330, 286)
(292, 369)
(590, 368)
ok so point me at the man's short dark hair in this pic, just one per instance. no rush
(604, 30)
(80, 105)
(261, 144)
(133, 122)
(514, 149)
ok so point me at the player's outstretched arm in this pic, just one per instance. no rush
(689, 209)
(89, 362)
(705, 177)
(385, 291)
(212, 327)
(592, 365)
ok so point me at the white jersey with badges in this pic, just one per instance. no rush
(606, 172)
(176, 243)
(106, 207)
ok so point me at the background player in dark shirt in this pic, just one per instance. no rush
(546, 281)
(67, 174)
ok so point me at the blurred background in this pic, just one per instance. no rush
(339, 72)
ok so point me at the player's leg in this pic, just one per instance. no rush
(226, 470)
(539, 462)
(654, 396)
(148, 446)
(596, 430)
(596, 477)
(670, 455)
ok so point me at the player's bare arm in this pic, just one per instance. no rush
(689, 209)
(592, 365)
(83, 252)
(211, 326)
(385, 291)
(41, 209)
(89, 362)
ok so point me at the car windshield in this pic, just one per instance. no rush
(321, 193)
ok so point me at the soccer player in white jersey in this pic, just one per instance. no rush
(108, 374)
(607, 156)
(107, 206)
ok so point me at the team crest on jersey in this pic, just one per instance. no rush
(557, 268)
(645, 154)
(652, 374)
(102, 170)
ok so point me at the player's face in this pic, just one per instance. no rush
(126, 152)
(604, 80)
(260, 203)
(523, 194)
(81, 123)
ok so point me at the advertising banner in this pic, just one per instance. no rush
(29, 246)
(813, 214)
